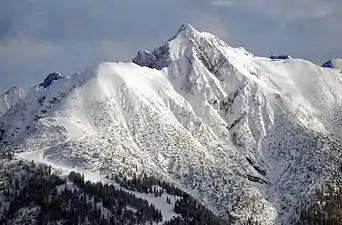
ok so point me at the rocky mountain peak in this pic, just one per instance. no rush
(52, 77)
(333, 63)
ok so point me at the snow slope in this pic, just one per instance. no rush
(244, 134)
(160, 202)
(10, 98)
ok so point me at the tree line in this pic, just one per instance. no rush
(35, 186)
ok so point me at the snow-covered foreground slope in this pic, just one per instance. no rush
(244, 134)
(159, 202)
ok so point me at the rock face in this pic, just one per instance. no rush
(244, 134)
(52, 77)
(333, 63)
(274, 57)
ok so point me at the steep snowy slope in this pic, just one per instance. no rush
(10, 98)
(245, 134)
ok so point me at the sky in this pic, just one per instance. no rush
(42, 36)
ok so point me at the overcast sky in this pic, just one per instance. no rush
(41, 36)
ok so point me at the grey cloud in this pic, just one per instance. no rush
(65, 21)
(290, 10)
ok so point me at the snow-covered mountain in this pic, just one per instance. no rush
(10, 98)
(246, 135)
(333, 63)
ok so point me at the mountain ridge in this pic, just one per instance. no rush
(333, 63)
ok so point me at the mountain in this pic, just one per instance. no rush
(246, 135)
(10, 98)
(333, 63)
(15, 94)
